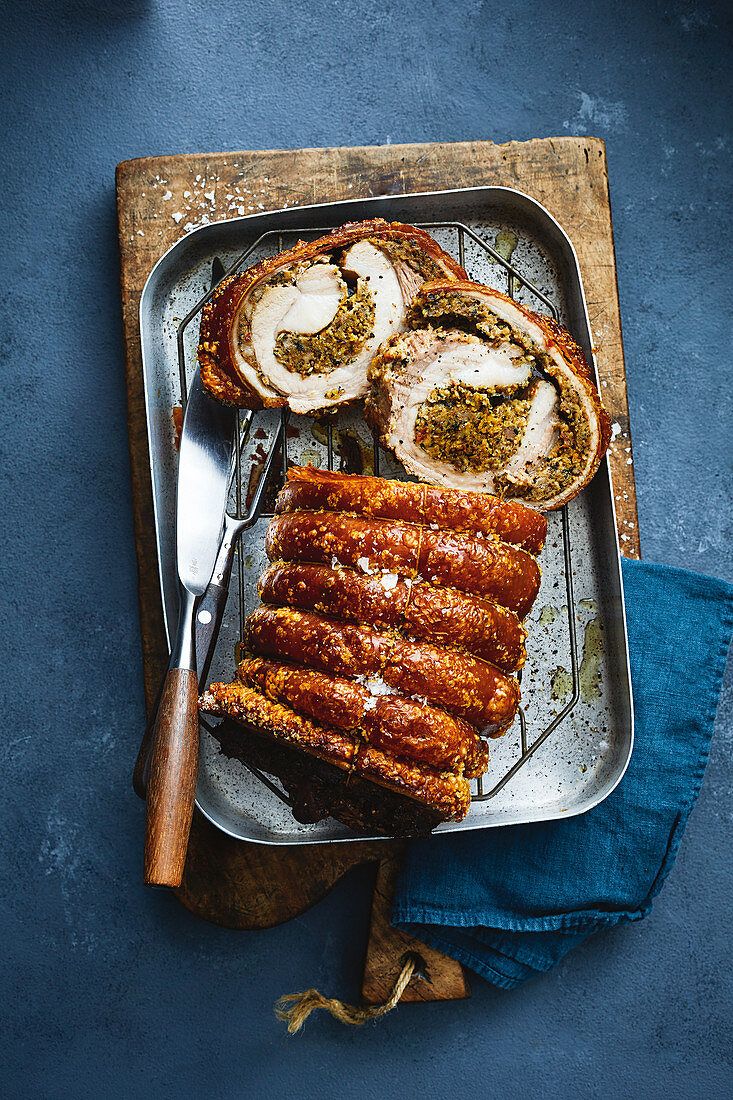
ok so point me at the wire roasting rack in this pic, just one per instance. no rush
(252, 510)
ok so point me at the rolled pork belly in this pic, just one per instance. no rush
(441, 615)
(483, 394)
(409, 730)
(445, 792)
(475, 513)
(483, 567)
(456, 682)
(300, 329)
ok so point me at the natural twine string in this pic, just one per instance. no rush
(295, 1008)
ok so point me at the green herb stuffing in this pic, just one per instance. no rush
(471, 429)
(336, 344)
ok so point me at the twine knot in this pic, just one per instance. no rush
(295, 1008)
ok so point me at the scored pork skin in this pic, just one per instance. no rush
(448, 793)
(308, 489)
(483, 567)
(440, 615)
(409, 730)
(463, 685)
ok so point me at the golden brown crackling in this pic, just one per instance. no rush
(218, 320)
(245, 705)
(417, 731)
(333, 700)
(308, 489)
(409, 730)
(441, 615)
(313, 641)
(461, 684)
(322, 536)
(218, 373)
(487, 568)
(448, 793)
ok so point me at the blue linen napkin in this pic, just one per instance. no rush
(511, 902)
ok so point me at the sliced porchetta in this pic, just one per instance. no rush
(483, 394)
(300, 329)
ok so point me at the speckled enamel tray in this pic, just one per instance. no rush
(583, 759)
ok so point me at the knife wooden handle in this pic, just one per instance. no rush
(172, 781)
(208, 622)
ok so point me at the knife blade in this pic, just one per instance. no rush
(209, 614)
(204, 472)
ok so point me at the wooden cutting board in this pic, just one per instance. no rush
(159, 199)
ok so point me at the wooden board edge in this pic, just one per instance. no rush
(438, 976)
(150, 604)
(246, 886)
(135, 166)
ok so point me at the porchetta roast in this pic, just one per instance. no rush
(300, 329)
(391, 623)
(483, 394)
(382, 654)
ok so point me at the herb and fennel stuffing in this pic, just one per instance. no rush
(410, 254)
(338, 343)
(471, 429)
(481, 430)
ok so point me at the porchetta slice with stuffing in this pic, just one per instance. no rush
(483, 394)
(300, 329)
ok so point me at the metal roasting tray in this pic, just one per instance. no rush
(572, 741)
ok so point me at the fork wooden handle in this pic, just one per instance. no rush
(171, 787)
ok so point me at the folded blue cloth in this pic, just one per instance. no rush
(511, 902)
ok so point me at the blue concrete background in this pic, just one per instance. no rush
(111, 990)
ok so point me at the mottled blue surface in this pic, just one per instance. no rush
(112, 990)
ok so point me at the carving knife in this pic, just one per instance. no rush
(208, 617)
(210, 609)
(204, 471)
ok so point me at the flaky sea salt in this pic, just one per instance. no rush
(364, 565)
(389, 581)
(376, 686)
